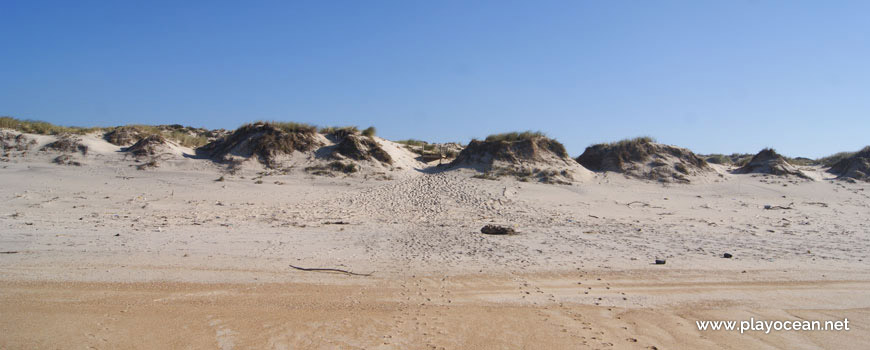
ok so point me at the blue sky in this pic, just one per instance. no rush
(714, 76)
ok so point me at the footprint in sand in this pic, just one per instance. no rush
(223, 335)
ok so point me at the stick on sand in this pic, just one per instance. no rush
(331, 270)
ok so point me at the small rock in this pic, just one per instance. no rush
(497, 230)
(727, 255)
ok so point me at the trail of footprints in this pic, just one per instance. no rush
(420, 319)
(557, 314)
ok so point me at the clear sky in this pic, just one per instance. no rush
(713, 76)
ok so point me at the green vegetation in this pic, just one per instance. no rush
(328, 170)
(369, 131)
(340, 131)
(346, 168)
(417, 146)
(179, 135)
(42, 128)
(801, 161)
(290, 126)
(836, 157)
(413, 142)
(145, 129)
(515, 136)
(547, 176)
(717, 159)
(633, 142)
(739, 159)
(185, 139)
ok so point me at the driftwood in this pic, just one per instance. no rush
(779, 207)
(642, 204)
(316, 269)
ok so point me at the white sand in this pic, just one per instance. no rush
(107, 223)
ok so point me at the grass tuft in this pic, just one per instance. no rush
(413, 142)
(43, 128)
(633, 142)
(339, 132)
(515, 136)
(369, 131)
(835, 158)
(290, 126)
(739, 159)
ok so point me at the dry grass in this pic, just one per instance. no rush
(328, 169)
(339, 132)
(185, 139)
(739, 159)
(43, 128)
(836, 157)
(515, 136)
(413, 142)
(290, 126)
(369, 131)
(178, 135)
(801, 161)
(626, 143)
(547, 176)
(422, 148)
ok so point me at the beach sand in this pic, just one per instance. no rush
(106, 256)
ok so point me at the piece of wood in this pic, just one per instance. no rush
(320, 269)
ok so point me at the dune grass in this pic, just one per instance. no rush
(413, 142)
(185, 139)
(342, 131)
(177, 135)
(835, 158)
(717, 158)
(289, 126)
(328, 169)
(369, 131)
(345, 130)
(339, 132)
(801, 161)
(515, 136)
(739, 159)
(633, 141)
(43, 128)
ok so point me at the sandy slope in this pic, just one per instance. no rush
(108, 256)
